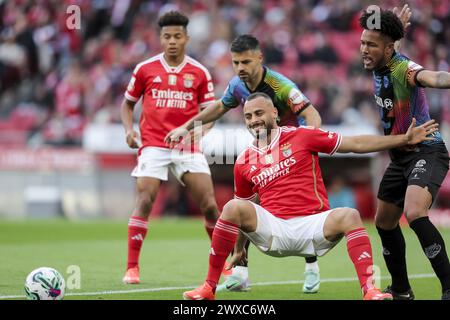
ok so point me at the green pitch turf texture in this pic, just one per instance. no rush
(175, 258)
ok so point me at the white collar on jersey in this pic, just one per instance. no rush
(270, 146)
(170, 69)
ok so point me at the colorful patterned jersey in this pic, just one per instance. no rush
(286, 174)
(401, 97)
(286, 96)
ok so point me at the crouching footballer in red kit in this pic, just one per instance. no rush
(281, 169)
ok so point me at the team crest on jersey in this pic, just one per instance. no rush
(172, 80)
(286, 149)
(268, 159)
(188, 80)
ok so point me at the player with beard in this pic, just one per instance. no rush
(293, 218)
(293, 109)
(412, 180)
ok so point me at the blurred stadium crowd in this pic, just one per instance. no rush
(54, 80)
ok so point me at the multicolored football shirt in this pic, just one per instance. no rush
(286, 96)
(286, 174)
(400, 98)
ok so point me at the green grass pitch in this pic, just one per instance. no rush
(175, 258)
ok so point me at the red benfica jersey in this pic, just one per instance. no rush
(286, 174)
(171, 95)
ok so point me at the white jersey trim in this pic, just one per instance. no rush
(338, 144)
(130, 97)
(271, 145)
(170, 69)
(200, 66)
(288, 129)
(240, 155)
(150, 60)
(135, 71)
(253, 196)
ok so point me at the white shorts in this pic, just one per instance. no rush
(155, 162)
(302, 236)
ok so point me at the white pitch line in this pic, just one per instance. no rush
(414, 276)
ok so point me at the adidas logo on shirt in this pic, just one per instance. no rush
(157, 80)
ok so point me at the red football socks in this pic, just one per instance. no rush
(223, 240)
(137, 230)
(360, 251)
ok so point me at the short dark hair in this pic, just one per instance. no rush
(243, 43)
(255, 95)
(390, 25)
(173, 18)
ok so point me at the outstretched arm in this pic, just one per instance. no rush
(434, 79)
(311, 116)
(209, 114)
(371, 143)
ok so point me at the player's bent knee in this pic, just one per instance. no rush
(230, 208)
(385, 222)
(233, 208)
(354, 217)
(349, 218)
(413, 214)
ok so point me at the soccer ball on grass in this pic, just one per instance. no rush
(45, 284)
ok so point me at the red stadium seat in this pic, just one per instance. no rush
(345, 44)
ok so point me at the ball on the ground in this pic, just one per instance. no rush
(45, 284)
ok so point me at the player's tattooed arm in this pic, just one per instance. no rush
(372, 143)
(200, 132)
(207, 115)
(434, 79)
(311, 116)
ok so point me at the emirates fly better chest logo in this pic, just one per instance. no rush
(268, 174)
(171, 98)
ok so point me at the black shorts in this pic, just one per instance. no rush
(421, 169)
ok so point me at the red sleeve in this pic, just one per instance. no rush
(319, 140)
(243, 188)
(136, 86)
(205, 90)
